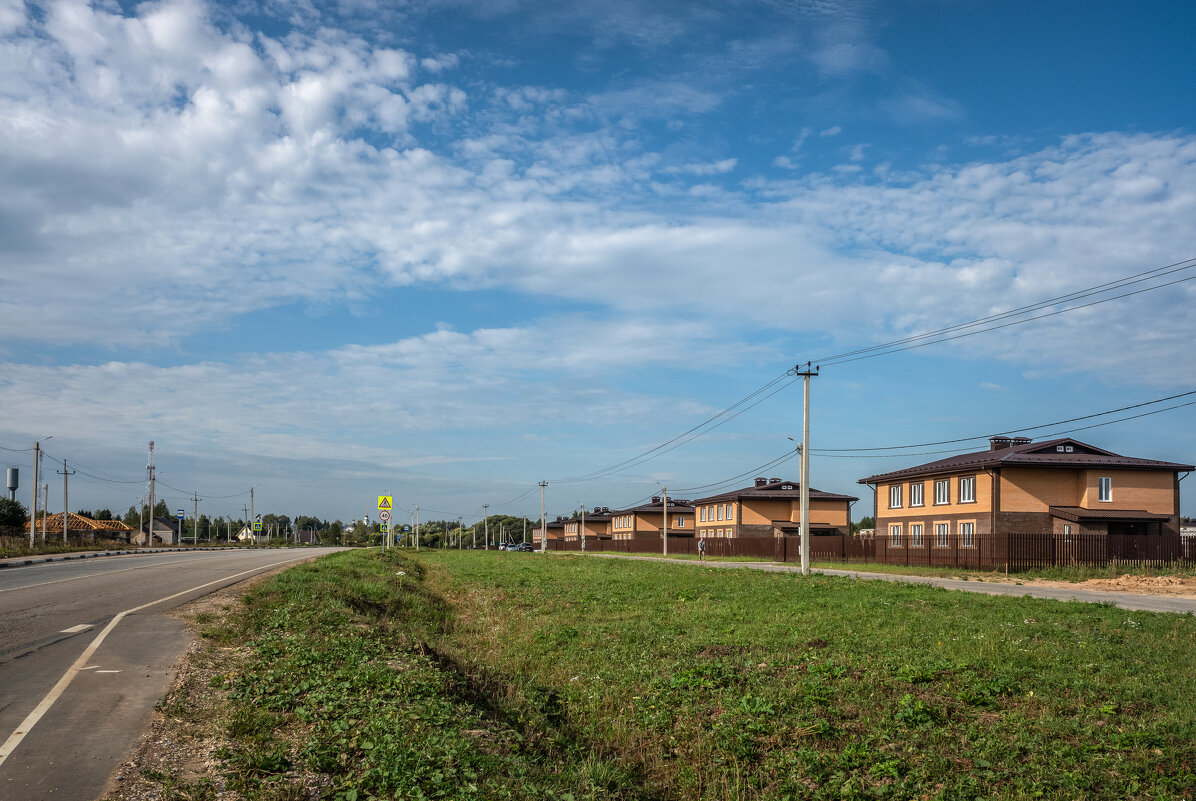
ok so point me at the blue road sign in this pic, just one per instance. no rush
(180, 514)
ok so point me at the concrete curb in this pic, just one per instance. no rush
(63, 557)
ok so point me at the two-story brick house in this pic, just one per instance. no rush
(1020, 494)
(648, 518)
(771, 507)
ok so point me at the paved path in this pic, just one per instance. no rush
(1125, 600)
(87, 649)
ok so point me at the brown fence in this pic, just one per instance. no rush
(1015, 551)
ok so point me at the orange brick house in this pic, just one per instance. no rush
(596, 523)
(771, 507)
(648, 518)
(1053, 502)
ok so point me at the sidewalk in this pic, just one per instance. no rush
(1124, 600)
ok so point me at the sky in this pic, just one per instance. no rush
(446, 250)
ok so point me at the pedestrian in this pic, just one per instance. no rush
(702, 549)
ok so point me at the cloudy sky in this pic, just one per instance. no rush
(448, 249)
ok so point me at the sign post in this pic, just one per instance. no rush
(181, 515)
(385, 505)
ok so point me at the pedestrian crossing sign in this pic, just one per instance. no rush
(385, 502)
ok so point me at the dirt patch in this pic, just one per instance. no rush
(1175, 586)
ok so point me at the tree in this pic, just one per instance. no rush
(161, 509)
(865, 522)
(103, 514)
(13, 514)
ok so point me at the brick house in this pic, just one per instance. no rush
(648, 518)
(771, 507)
(1020, 499)
(596, 523)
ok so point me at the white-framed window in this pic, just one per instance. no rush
(680, 522)
(967, 490)
(915, 535)
(967, 535)
(895, 535)
(719, 511)
(915, 494)
(895, 496)
(1067, 532)
(942, 491)
(702, 515)
(727, 511)
(941, 535)
(1106, 488)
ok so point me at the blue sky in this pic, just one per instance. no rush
(447, 250)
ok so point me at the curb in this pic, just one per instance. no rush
(19, 562)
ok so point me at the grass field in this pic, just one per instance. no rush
(495, 675)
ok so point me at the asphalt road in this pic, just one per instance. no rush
(87, 649)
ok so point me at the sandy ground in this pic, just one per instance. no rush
(1139, 585)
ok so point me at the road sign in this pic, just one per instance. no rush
(385, 502)
(257, 526)
(385, 527)
(180, 513)
(384, 515)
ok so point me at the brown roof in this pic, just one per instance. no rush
(774, 489)
(1076, 513)
(656, 504)
(1031, 454)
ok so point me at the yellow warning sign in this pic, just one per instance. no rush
(385, 502)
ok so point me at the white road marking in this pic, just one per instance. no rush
(58, 689)
(77, 629)
(107, 671)
(90, 667)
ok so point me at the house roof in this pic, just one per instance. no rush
(774, 489)
(80, 523)
(1023, 453)
(1076, 514)
(656, 505)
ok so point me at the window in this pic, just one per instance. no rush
(1067, 532)
(719, 510)
(895, 534)
(1106, 488)
(680, 522)
(895, 496)
(702, 515)
(967, 490)
(942, 491)
(967, 535)
(915, 494)
(915, 535)
(941, 534)
(728, 511)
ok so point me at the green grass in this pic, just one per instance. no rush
(480, 675)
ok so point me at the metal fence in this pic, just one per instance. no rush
(1010, 552)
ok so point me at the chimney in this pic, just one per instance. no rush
(760, 482)
(999, 443)
(774, 481)
(655, 499)
(1021, 440)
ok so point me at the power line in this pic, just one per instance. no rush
(934, 337)
(830, 451)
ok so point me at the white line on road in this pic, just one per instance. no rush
(57, 690)
(77, 629)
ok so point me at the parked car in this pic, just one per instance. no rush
(526, 547)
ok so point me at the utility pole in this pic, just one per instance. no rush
(195, 529)
(65, 474)
(37, 452)
(149, 469)
(525, 528)
(417, 528)
(45, 509)
(543, 520)
(805, 465)
(583, 528)
(665, 498)
(486, 512)
(458, 532)
(252, 519)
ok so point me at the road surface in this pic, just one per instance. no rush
(87, 649)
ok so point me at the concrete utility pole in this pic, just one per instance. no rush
(45, 509)
(665, 498)
(543, 520)
(805, 465)
(195, 528)
(149, 469)
(65, 475)
(458, 532)
(417, 528)
(525, 528)
(486, 512)
(33, 507)
(252, 519)
(583, 528)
